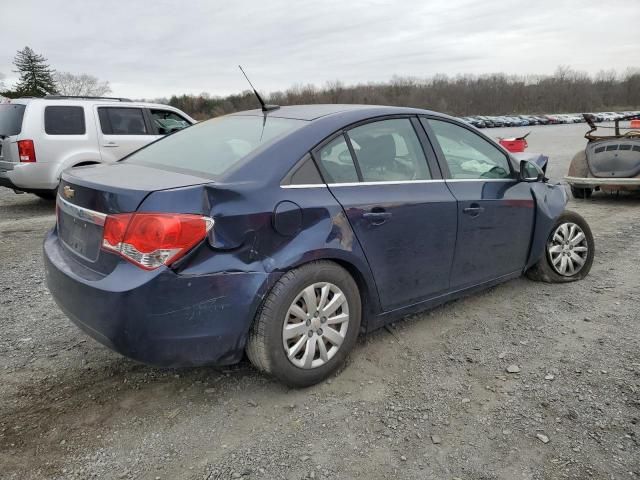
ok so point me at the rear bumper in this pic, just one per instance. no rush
(159, 318)
(28, 176)
(587, 182)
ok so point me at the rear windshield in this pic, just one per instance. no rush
(214, 146)
(11, 119)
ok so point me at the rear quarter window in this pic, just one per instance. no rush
(64, 120)
(11, 115)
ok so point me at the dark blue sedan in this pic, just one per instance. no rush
(286, 233)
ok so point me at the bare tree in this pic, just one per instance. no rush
(82, 84)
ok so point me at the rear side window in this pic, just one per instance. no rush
(168, 122)
(122, 121)
(11, 115)
(389, 150)
(64, 120)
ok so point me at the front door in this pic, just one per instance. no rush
(122, 131)
(495, 211)
(401, 211)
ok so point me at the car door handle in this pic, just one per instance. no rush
(474, 209)
(110, 144)
(377, 217)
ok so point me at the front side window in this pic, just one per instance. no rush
(336, 162)
(122, 121)
(389, 150)
(167, 121)
(214, 146)
(62, 120)
(468, 155)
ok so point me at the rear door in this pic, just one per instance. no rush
(399, 207)
(122, 130)
(495, 210)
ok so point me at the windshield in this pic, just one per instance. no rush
(11, 119)
(214, 146)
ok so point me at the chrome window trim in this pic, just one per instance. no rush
(81, 213)
(398, 182)
(481, 180)
(386, 182)
(305, 185)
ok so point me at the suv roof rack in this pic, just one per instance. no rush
(87, 97)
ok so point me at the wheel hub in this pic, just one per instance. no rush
(567, 249)
(315, 325)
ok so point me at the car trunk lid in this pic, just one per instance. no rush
(88, 194)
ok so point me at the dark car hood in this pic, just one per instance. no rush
(119, 187)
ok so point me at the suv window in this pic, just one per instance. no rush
(336, 162)
(168, 122)
(11, 115)
(64, 120)
(389, 150)
(122, 121)
(467, 154)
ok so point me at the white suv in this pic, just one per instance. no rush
(41, 137)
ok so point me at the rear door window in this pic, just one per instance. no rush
(389, 150)
(64, 120)
(167, 121)
(122, 121)
(11, 115)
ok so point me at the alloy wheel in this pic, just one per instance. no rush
(315, 325)
(568, 249)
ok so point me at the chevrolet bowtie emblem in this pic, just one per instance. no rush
(68, 191)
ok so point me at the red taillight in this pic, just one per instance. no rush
(153, 239)
(26, 151)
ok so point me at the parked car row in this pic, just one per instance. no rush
(483, 121)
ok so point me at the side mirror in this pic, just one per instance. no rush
(530, 172)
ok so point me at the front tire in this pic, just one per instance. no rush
(307, 325)
(569, 251)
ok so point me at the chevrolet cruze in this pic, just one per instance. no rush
(285, 233)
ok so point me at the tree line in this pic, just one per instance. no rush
(565, 91)
(38, 79)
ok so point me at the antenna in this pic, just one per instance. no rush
(265, 108)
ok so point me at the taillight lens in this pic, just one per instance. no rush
(26, 151)
(150, 240)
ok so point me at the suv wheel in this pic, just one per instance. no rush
(307, 325)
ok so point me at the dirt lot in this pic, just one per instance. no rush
(429, 400)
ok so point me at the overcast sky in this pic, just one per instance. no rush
(158, 48)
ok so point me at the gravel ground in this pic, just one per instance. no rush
(429, 399)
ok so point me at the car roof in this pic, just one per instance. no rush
(314, 112)
(85, 101)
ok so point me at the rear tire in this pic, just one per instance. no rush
(579, 192)
(297, 316)
(568, 253)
